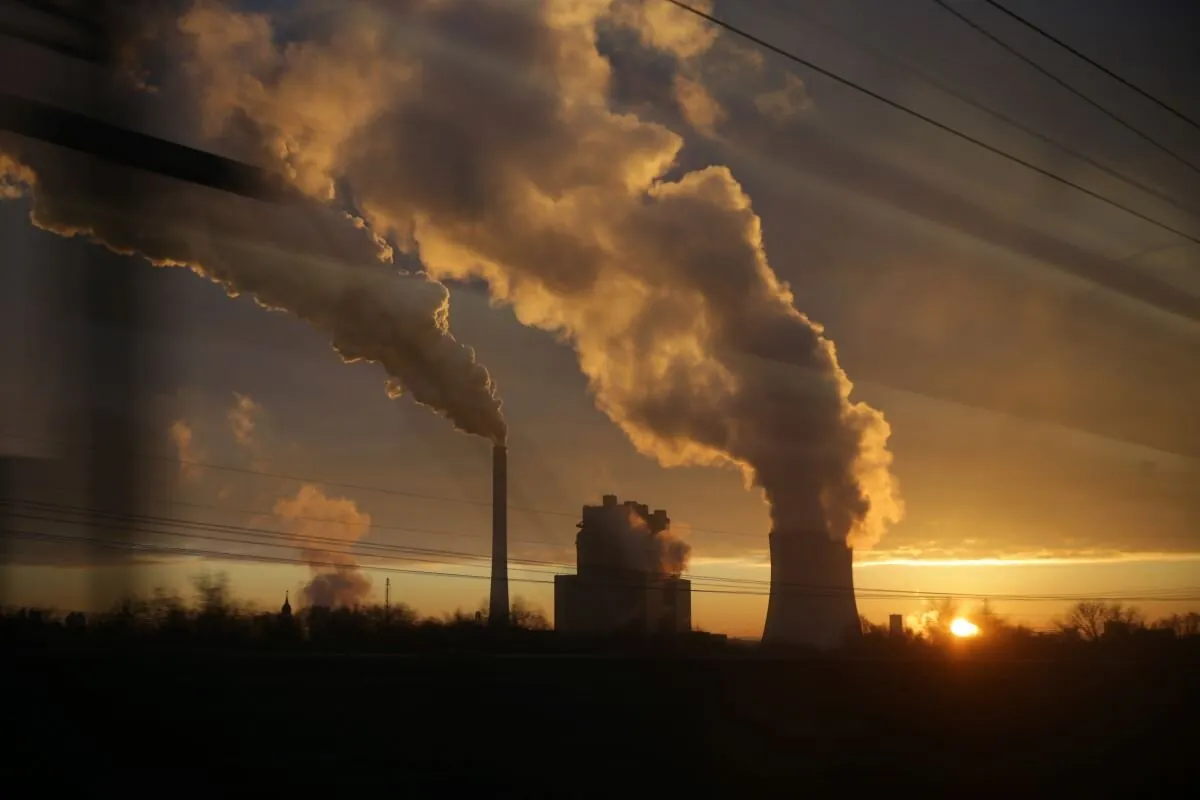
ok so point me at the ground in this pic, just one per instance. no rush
(526, 726)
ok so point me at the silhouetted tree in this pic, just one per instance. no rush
(991, 624)
(1087, 618)
(212, 594)
(1181, 624)
(527, 617)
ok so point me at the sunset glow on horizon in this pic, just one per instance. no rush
(964, 628)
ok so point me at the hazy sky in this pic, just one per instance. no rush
(1035, 413)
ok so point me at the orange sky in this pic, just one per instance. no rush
(1039, 419)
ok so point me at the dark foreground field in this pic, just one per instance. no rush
(523, 726)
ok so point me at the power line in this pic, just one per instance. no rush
(252, 512)
(925, 118)
(256, 558)
(1111, 115)
(291, 541)
(1164, 106)
(448, 553)
(1007, 120)
(342, 484)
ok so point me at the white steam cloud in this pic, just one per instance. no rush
(183, 437)
(478, 135)
(324, 528)
(311, 261)
(243, 417)
(631, 545)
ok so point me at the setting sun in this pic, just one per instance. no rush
(964, 628)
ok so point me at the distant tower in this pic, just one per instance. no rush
(895, 625)
(285, 613)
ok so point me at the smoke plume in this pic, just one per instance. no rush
(183, 437)
(324, 527)
(620, 539)
(242, 419)
(313, 262)
(478, 135)
(661, 553)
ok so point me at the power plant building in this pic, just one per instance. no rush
(622, 582)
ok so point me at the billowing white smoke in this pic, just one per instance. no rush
(660, 553)
(324, 527)
(478, 135)
(304, 258)
(624, 541)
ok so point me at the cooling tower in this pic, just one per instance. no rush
(498, 601)
(812, 592)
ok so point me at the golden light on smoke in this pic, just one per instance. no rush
(964, 628)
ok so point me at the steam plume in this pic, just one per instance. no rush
(311, 513)
(242, 419)
(479, 134)
(661, 553)
(311, 261)
(182, 436)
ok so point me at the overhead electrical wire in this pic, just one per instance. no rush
(1119, 79)
(291, 541)
(817, 591)
(950, 91)
(341, 484)
(104, 519)
(1102, 109)
(926, 118)
(376, 489)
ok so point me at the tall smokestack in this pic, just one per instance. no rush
(812, 591)
(498, 604)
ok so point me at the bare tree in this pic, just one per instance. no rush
(523, 615)
(1087, 618)
(212, 594)
(1182, 624)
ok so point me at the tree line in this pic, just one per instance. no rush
(214, 618)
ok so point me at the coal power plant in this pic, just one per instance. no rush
(812, 592)
(498, 599)
(627, 579)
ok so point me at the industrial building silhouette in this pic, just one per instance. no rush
(621, 584)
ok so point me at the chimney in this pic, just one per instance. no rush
(498, 602)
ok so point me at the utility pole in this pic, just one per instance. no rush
(387, 597)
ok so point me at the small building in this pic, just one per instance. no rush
(895, 625)
(622, 584)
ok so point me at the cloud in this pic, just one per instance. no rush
(668, 28)
(478, 137)
(183, 437)
(529, 181)
(325, 529)
(699, 107)
(15, 178)
(317, 262)
(242, 417)
(785, 103)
